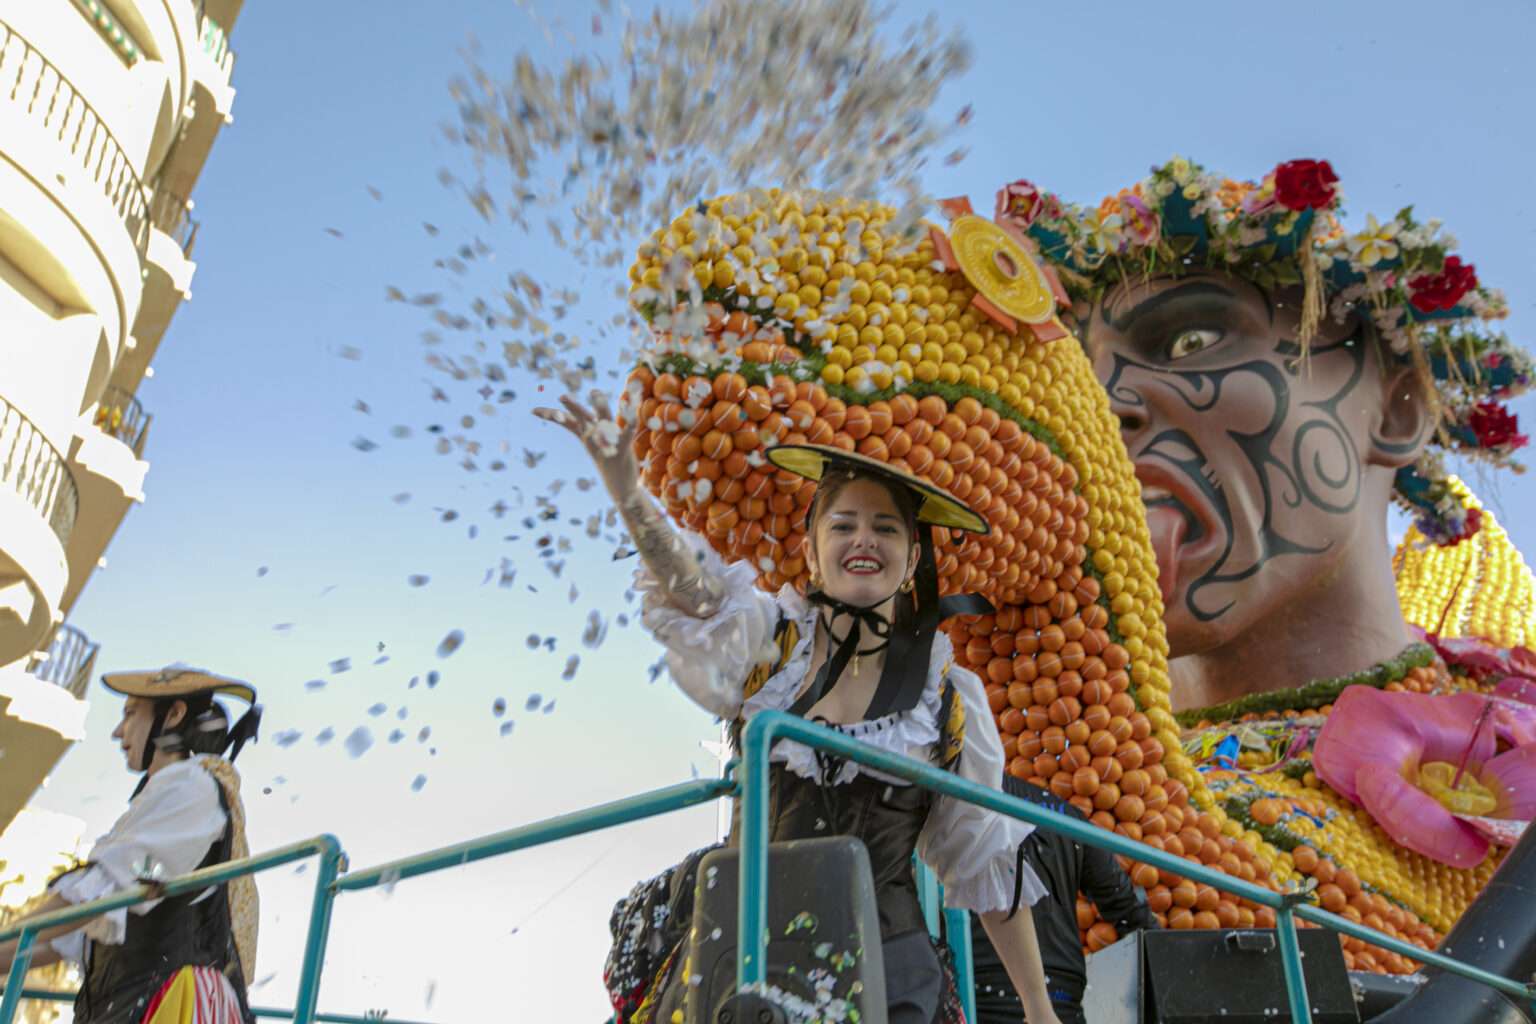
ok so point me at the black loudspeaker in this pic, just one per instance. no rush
(823, 937)
(1377, 993)
(1236, 977)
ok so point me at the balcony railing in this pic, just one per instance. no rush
(33, 467)
(214, 40)
(30, 81)
(122, 415)
(170, 213)
(68, 660)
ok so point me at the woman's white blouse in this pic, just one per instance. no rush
(973, 851)
(166, 831)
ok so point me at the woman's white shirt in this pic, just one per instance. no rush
(166, 831)
(973, 850)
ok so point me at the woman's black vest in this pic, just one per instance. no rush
(888, 818)
(190, 930)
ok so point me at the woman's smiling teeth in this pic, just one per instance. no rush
(860, 565)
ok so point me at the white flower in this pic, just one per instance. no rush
(1376, 243)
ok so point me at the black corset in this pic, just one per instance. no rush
(887, 817)
(181, 931)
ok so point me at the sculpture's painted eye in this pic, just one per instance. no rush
(1195, 339)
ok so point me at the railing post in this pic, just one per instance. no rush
(957, 925)
(1290, 959)
(752, 894)
(18, 975)
(319, 932)
(929, 896)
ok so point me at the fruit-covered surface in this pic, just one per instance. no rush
(1259, 768)
(782, 318)
(1478, 588)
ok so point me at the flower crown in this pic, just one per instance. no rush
(1427, 305)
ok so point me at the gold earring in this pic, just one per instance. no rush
(815, 578)
(909, 586)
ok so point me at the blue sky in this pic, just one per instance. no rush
(252, 463)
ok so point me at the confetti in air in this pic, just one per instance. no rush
(358, 742)
(588, 152)
(450, 643)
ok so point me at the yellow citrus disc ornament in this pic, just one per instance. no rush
(1001, 270)
(1012, 287)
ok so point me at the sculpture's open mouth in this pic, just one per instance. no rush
(1180, 521)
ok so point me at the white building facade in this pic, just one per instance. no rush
(108, 111)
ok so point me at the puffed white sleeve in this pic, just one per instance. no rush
(166, 831)
(974, 851)
(710, 658)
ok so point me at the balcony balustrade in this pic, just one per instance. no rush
(34, 469)
(34, 85)
(169, 212)
(67, 661)
(122, 415)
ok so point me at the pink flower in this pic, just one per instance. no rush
(1019, 203)
(1468, 652)
(1141, 223)
(1388, 752)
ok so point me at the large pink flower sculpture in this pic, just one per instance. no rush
(1397, 755)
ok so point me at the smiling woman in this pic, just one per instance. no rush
(859, 651)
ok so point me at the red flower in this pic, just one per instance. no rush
(1018, 204)
(1496, 427)
(1305, 184)
(1445, 289)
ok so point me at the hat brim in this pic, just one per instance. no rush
(165, 683)
(937, 506)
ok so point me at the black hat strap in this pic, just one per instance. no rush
(909, 645)
(831, 671)
(906, 661)
(244, 731)
(152, 743)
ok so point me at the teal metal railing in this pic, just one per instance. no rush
(268, 1012)
(326, 848)
(770, 726)
(752, 788)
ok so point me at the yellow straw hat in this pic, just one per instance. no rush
(937, 506)
(176, 681)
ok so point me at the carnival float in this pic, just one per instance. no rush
(1183, 413)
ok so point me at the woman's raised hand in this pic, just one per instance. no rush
(610, 446)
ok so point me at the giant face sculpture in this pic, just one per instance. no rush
(1259, 469)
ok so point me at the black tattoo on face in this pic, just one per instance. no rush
(1245, 450)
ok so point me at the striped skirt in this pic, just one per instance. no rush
(195, 995)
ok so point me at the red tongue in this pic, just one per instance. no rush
(1166, 525)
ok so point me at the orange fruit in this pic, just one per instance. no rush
(857, 425)
(757, 402)
(880, 417)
